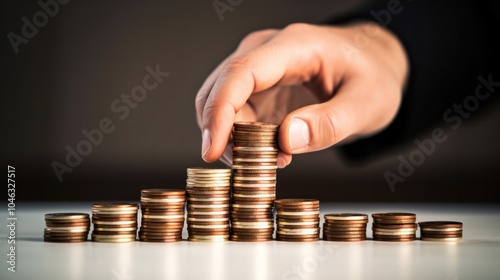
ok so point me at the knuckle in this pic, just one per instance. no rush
(298, 27)
(255, 37)
(333, 124)
(237, 64)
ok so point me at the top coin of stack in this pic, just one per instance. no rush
(394, 226)
(255, 154)
(114, 222)
(209, 195)
(162, 215)
(441, 231)
(297, 219)
(66, 227)
(345, 227)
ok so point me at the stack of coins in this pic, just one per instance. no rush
(162, 217)
(394, 226)
(345, 227)
(66, 227)
(440, 231)
(208, 200)
(114, 222)
(297, 219)
(255, 154)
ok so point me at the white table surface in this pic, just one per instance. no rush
(476, 257)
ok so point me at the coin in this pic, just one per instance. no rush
(346, 217)
(394, 218)
(255, 155)
(349, 227)
(394, 226)
(66, 227)
(163, 215)
(208, 204)
(297, 220)
(114, 222)
(441, 231)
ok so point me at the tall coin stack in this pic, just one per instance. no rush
(441, 231)
(345, 227)
(66, 227)
(297, 219)
(114, 222)
(394, 226)
(255, 155)
(162, 217)
(208, 200)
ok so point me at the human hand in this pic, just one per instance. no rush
(304, 78)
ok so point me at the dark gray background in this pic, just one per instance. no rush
(65, 78)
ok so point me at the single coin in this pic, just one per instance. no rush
(452, 239)
(297, 201)
(163, 192)
(66, 216)
(305, 239)
(327, 238)
(346, 217)
(440, 224)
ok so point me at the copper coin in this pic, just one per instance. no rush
(66, 216)
(348, 217)
(305, 239)
(163, 192)
(250, 239)
(391, 226)
(440, 224)
(327, 238)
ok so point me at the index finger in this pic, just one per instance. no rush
(281, 60)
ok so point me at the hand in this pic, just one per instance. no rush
(315, 80)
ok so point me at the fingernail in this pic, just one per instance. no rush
(281, 163)
(298, 134)
(206, 142)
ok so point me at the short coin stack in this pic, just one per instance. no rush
(114, 222)
(394, 226)
(345, 227)
(162, 215)
(441, 231)
(209, 195)
(66, 227)
(297, 219)
(255, 154)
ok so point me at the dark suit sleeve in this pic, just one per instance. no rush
(449, 44)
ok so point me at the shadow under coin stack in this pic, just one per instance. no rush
(394, 226)
(441, 231)
(162, 217)
(114, 222)
(66, 227)
(255, 155)
(208, 199)
(297, 219)
(345, 227)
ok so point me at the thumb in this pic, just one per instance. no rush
(319, 126)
